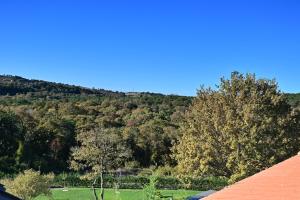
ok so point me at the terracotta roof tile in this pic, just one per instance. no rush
(280, 182)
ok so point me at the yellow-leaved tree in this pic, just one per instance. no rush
(244, 126)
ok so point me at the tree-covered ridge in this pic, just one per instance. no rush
(293, 99)
(12, 85)
(49, 122)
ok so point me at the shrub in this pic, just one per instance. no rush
(205, 183)
(70, 180)
(29, 184)
(150, 190)
(169, 183)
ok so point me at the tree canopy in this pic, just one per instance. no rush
(11, 137)
(100, 150)
(50, 115)
(241, 128)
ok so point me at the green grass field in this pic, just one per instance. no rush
(111, 194)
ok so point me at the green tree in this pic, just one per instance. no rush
(63, 138)
(29, 184)
(11, 141)
(100, 150)
(243, 127)
(155, 143)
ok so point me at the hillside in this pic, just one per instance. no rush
(294, 99)
(12, 85)
(50, 115)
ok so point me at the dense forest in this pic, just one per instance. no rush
(39, 122)
(43, 119)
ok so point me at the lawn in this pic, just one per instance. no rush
(111, 194)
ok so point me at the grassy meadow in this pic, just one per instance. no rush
(111, 194)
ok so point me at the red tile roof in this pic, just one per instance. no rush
(280, 182)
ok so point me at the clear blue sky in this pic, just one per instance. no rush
(165, 46)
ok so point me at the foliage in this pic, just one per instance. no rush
(13, 85)
(164, 171)
(100, 150)
(11, 145)
(293, 99)
(146, 172)
(243, 127)
(29, 184)
(150, 190)
(40, 121)
(50, 115)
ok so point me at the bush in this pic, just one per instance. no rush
(171, 183)
(150, 189)
(206, 183)
(29, 184)
(70, 180)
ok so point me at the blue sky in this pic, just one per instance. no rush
(166, 46)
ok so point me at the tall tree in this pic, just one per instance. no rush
(100, 150)
(238, 130)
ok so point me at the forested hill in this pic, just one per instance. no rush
(47, 116)
(12, 85)
(294, 99)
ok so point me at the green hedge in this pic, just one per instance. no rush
(138, 182)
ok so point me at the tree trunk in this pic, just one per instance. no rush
(101, 186)
(94, 189)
